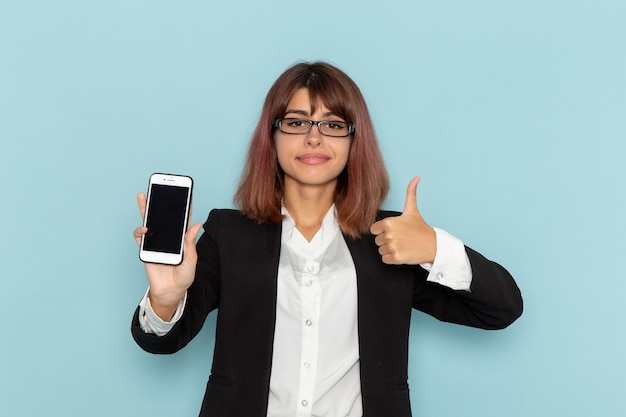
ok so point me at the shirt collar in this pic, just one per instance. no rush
(324, 236)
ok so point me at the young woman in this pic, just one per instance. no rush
(314, 285)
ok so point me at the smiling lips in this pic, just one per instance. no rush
(313, 158)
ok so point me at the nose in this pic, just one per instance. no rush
(314, 137)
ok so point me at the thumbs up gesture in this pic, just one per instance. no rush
(406, 239)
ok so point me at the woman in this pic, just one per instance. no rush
(314, 285)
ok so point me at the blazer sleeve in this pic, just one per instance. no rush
(202, 297)
(493, 302)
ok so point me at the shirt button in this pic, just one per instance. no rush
(439, 277)
(309, 283)
(308, 322)
(307, 364)
(304, 403)
(311, 267)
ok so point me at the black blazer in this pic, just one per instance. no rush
(236, 273)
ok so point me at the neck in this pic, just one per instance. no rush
(308, 206)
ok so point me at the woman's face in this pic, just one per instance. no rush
(310, 159)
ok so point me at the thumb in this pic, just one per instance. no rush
(190, 237)
(410, 205)
(192, 233)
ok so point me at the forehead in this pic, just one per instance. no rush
(302, 100)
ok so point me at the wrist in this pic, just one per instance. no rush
(165, 306)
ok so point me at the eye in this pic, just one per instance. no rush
(335, 125)
(296, 122)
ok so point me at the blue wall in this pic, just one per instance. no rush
(513, 112)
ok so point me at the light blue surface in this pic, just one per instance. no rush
(513, 113)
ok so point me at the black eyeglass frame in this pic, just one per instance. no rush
(277, 125)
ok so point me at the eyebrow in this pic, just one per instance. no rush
(306, 113)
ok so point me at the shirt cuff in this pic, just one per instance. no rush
(451, 267)
(151, 323)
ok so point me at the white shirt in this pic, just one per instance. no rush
(315, 366)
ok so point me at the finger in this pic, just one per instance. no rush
(388, 255)
(380, 239)
(410, 205)
(192, 233)
(390, 259)
(377, 228)
(139, 232)
(190, 240)
(141, 202)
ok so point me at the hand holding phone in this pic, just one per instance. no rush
(166, 217)
(169, 274)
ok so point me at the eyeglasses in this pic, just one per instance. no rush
(334, 128)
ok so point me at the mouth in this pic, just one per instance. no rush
(313, 158)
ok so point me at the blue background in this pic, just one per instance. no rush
(513, 112)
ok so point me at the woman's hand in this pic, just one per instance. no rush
(406, 239)
(168, 283)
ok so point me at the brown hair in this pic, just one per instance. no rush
(363, 184)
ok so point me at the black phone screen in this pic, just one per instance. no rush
(166, 218)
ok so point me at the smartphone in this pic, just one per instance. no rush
(166, 217)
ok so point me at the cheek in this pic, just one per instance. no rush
(281, 161)
(282, 152)
(342, 153)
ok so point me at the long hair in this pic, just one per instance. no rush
(363, 184)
